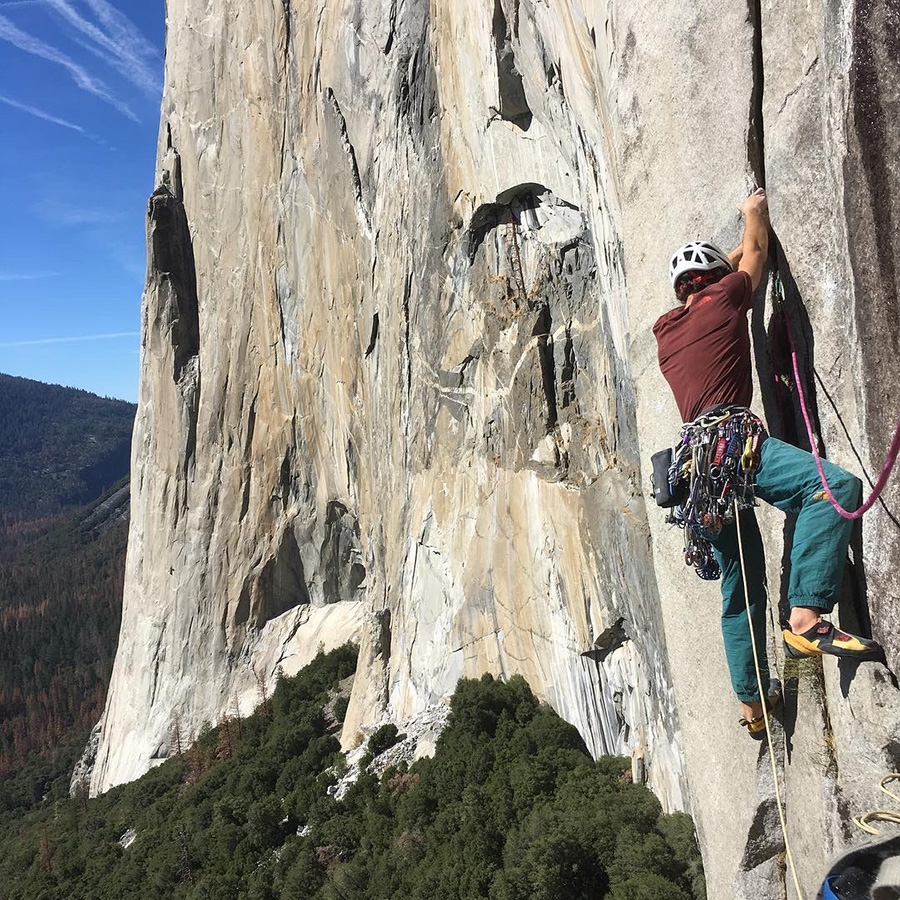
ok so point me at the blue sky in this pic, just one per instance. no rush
(80, 88)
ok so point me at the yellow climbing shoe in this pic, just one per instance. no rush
(823, 639)
(757, 727)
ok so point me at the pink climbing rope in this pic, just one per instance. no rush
(888, 463)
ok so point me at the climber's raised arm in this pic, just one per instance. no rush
(755, 245)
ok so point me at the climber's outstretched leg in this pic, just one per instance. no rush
(788, 479)
(735, 630)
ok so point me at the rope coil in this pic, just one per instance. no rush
(880, 815)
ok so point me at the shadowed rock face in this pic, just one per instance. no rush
(872, 196)
(416, 251)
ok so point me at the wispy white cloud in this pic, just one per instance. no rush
(118, 42)
(71, 340)
(36, 47)
(126, 34)
(68, 209)
(26, 276)
(39, 113)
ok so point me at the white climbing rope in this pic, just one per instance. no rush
(881, 815)
(762, 697)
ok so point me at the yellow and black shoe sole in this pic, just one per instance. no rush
(799, 647)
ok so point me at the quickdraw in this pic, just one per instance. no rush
(717, 457)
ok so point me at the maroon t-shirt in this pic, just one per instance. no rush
(704, 349)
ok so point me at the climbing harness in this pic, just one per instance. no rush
(893, 451)
(715, 462)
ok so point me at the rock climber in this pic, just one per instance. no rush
(704, 355)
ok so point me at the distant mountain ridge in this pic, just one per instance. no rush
(59, 446)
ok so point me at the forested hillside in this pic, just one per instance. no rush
(64, 503)
(510, 807)
(59, 446)
(60, 608)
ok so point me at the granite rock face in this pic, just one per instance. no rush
(399, 385)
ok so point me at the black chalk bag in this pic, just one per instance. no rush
(663, 493)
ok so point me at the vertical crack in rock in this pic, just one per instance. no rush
(392, 28)
(251, 425)
(283, 297)
(517, 251)
(756, 147)
(772, 348)
(513, 102)
(407, 291)
(867, 185)
(171, 173)
(354, 167)
(385, 634)
(569, 370)
(543, 331)
(286, 479)
(373, 337)
(405, 408)
(286, 9)
(158, 657)
(248, 470)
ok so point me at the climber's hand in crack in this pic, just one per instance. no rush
(760, 205)
(757, 202)
(755, 245)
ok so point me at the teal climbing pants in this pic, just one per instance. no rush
(788, 479)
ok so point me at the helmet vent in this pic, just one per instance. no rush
(697, 256)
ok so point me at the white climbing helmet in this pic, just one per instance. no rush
(697, 256)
